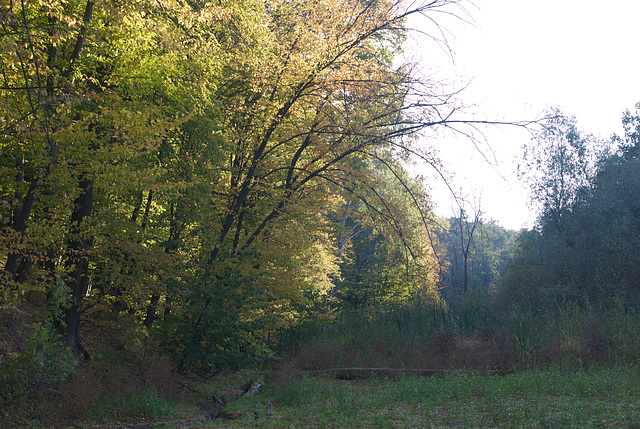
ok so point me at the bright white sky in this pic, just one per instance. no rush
(521, 57)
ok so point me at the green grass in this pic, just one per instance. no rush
(597, 398)
(144, 403)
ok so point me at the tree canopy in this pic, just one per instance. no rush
(585, 243)
(190, 166)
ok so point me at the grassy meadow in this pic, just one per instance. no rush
(552, 398)
(548, 365)
(469, 364)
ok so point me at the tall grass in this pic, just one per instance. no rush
(472, 333)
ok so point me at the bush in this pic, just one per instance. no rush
(41, 368)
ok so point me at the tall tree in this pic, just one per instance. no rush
(177, 164)
(391, 260)
(586, 247)
(466, 230)
(557, 163)
(83, 114)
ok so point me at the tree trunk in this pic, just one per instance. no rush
(78, 262)
(466, 273)
(19, 225)
(174, 236)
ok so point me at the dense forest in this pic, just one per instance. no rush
(218, 181)
(584, 245)
(196, 169)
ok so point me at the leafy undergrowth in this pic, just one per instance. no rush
(595, 398)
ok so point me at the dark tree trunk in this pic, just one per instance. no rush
(174, 236)
(151, 310)
(136, 209)
(16, 261)
(78, 262)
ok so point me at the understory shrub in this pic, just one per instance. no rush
(40, 368)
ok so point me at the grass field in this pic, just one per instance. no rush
(596, 398)
(566, 367)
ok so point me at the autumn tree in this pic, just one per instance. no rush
(390, 259)
(302, 110)
(176, 165)
(86, 109)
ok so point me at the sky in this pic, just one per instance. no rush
(519, 58)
